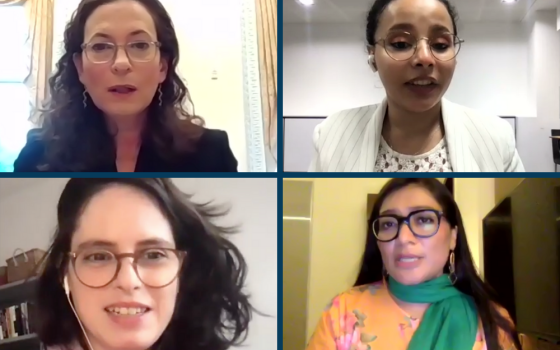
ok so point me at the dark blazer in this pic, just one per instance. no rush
(212, 154)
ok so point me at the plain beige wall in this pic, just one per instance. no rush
(295, 286)
(296, 243)
(504, 187)
(210, 39)
(475, 198)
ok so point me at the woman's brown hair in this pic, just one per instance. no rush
(213, 309)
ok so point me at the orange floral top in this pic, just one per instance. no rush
(368, 318)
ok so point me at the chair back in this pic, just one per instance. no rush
(555, 145)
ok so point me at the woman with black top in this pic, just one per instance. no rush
(117, 102)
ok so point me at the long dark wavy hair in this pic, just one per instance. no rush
(468, 280)
(77, 138)
(212, 311)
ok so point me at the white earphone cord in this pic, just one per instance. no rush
(67, 289)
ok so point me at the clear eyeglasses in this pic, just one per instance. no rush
(401, 46)
(137, 51)
(155, 267)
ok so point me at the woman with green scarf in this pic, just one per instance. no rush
(417, 288)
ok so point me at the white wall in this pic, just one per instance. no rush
(493, 62)
(28, 218)
(325, 69)
(210, 39)
(545, 68)
(558, 15)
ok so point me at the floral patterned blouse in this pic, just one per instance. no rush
(367, 318)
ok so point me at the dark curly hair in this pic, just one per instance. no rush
(77, 139)
(379, 7)
(212, 311)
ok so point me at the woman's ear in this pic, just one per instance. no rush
(78, 63)
(163, 68)
(453, 241)
(371, 62)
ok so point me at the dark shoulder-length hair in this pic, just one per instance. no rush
(468, 280)
(212, 311)
(77, 138)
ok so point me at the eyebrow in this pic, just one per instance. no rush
(107, 36)
(108, 244)
(409, 26)
(410, 209)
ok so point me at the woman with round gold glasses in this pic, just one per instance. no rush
(135, 265)
(117, 102)
(413, 45)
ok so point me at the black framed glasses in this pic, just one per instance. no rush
(137, 51)
(401, 46)
(423, 223)
(155, 267)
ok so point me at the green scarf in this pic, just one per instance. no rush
(451, 322)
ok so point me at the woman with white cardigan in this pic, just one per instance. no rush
(413, 45)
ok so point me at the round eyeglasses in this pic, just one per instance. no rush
(422, 223)
(401, 46)
(155, 267)
(137, 51)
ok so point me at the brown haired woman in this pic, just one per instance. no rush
(117, 102)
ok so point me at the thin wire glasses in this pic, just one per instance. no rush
(137, 51)
(422, 223)
(401, 46)
(155, 267)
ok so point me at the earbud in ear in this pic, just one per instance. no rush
(371, 63)
(66, 288)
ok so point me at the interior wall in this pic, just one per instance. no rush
(296, 251)
(504, 186)
(295, 302)
(535, 256)
(545, 70)
(475, 198)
